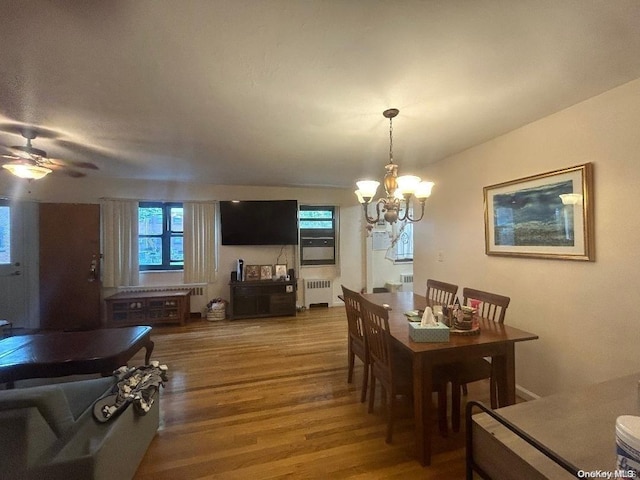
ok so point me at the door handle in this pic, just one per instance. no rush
(93, 270)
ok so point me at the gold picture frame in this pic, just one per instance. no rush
(266, 272)
(549, 215)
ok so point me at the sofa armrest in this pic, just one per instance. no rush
(34, 420)
(100, 451)
(24, 436)
(49, 400)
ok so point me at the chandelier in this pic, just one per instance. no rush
(399, 190)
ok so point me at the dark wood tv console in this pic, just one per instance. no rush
(264, 298)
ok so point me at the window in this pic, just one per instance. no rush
(404, 243)
(160, 236)
(5, 233)
(318, 227)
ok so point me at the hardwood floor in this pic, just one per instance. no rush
(269, 398)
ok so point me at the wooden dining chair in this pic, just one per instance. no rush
(441, 293)
(357, 344)
(393, 370)
(493, 307)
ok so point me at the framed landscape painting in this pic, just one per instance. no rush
(545, 216)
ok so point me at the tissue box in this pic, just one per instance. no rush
(431, 333)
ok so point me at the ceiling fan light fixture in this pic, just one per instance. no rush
(27, 170)
(27, 161)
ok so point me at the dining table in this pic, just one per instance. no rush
(495, 340)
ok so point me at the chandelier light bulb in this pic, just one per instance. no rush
(407, 184)
(423, 190)
(368, 189)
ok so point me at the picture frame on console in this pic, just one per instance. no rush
(266, 272)
(252, 273)
(281, 272)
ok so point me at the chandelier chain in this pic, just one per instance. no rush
(390, 139)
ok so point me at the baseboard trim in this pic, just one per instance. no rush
(526, 394)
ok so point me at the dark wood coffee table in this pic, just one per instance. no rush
(57, 354)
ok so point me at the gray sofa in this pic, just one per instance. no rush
(49, 432)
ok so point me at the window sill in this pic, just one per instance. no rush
(144, 272)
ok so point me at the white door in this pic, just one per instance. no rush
(18, 262)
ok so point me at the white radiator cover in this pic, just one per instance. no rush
(198, 291)
(317, 291)
(406, 279)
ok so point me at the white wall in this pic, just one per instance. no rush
(585, 313)
(90, 190)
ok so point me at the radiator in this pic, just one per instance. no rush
(198, 291)
(407, 282)
(317, 292)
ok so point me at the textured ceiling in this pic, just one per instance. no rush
(286, 92)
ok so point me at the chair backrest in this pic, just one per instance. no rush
(352, 302)
(492, 305)
(375, 319)
(441, 293)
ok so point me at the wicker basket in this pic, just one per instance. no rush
(217, 312)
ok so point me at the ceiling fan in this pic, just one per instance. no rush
(26, 161)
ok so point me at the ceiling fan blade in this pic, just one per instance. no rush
(88, 165)
(62, 170)
(72, 163)
(74, 173)
(22, 153)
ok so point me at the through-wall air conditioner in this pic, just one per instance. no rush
(318, 249)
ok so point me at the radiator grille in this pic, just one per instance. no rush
(317, 292)
(406, 278)
(317, 284)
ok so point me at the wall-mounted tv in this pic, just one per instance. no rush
(259, 222)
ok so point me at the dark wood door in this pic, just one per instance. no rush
(69, 263)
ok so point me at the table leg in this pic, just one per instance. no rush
(149, 349)
(505, 371)
(422, 379)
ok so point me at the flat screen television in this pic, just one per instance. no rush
(259, 222)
